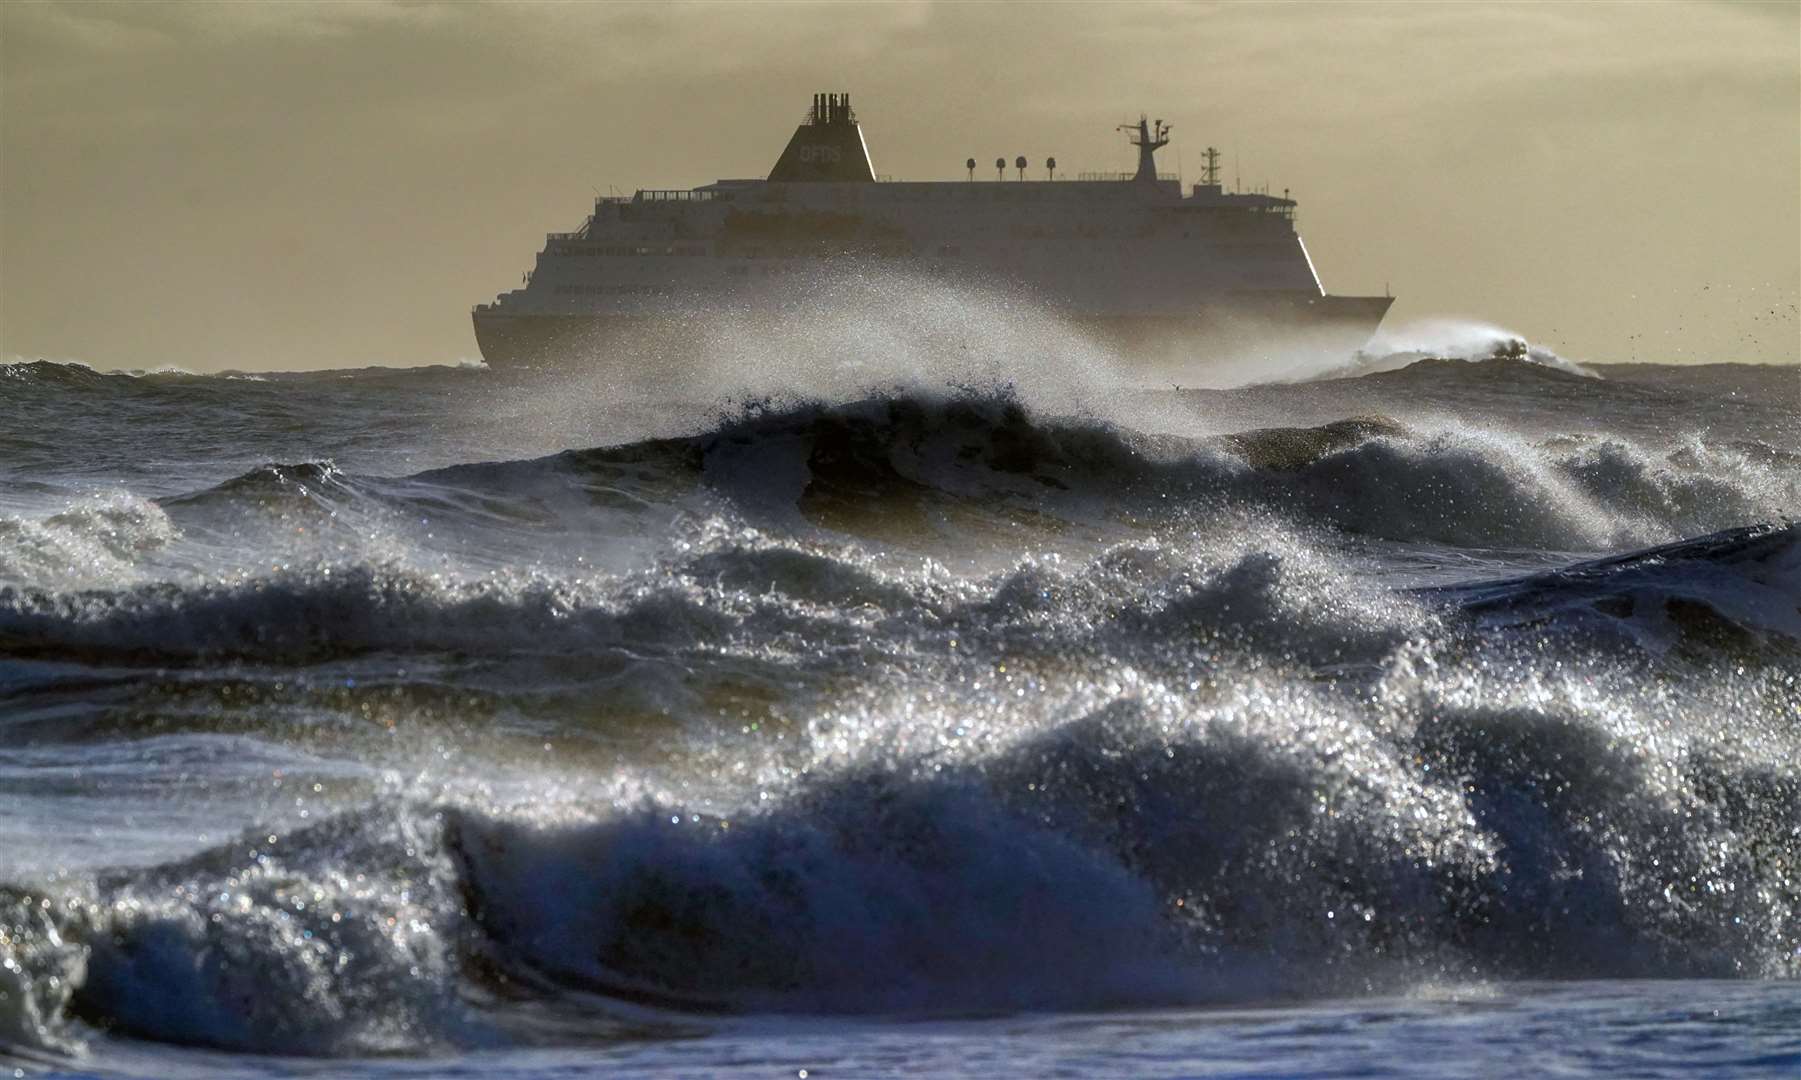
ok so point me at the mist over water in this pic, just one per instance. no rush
(896, 661)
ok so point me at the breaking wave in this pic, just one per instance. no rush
(917, 703)
(92, 540)
(911, 453)
(1141, 841)
(741, 593)
(1456, 340)
(914, 463)
(1740, 590)
(359, 568)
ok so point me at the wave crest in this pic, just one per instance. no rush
(95, 540)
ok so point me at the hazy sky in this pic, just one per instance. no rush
(319, 184)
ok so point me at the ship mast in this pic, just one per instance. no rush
(1210, 172)
(1149, 140)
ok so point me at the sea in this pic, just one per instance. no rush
(903, 695)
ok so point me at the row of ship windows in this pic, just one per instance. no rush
(1225, 248)
(701, 287)
(611, 290)
(665, 290)
(792, 267)
(740, 271)
(751, 253)
(785, 262)
(633, 250)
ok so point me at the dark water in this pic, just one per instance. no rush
(1438, 720)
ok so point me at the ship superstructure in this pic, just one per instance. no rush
(1175, 279)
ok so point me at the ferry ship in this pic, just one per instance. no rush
(1171, 280)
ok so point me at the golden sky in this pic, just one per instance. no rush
(296, 185)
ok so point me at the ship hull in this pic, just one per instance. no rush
(1160, 349)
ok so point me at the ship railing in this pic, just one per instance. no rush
(1091, 176)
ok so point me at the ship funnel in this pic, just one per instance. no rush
(828, 146)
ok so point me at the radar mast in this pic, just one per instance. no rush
(1149, 138)
(1210, 171)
